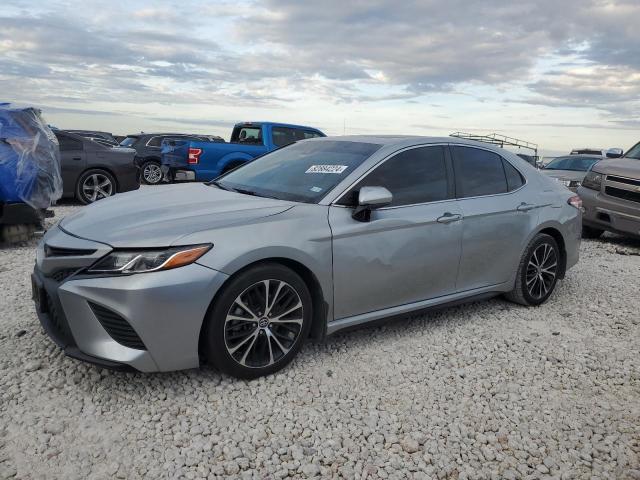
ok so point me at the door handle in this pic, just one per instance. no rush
(77, 158)
(525, 207)
(449, 217)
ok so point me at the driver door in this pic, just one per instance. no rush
(408, 251)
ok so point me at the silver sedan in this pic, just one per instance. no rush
(310, 239)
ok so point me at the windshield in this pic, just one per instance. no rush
(127, 142)
(300, 172)
(573, 163)
(634, 152)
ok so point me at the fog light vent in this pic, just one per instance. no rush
(117, 327)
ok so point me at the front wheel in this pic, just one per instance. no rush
(151, 173)
(537, 272)
(94, 185)
(259, 322)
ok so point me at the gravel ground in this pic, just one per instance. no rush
(486, 390)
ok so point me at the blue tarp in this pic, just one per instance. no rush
(29, 158)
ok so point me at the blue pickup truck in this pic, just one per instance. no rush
(188, 160)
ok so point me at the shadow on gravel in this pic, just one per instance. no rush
(177, 384)
(620, 241)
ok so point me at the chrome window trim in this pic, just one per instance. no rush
(149, 141)
(455, 198)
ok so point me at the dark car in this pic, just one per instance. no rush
(92, 171)
(148, 154)
(570, 169)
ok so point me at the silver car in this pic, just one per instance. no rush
(308, 240)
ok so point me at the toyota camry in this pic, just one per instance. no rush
(319, 236)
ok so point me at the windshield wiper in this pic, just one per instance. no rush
(247, 192)
(238, 190)
(221, 187)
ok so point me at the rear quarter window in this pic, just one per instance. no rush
(514, 177)
(478, 172)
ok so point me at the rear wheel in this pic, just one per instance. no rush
(151, 173)
(94, 185)
(590, 232)
(230, 167)
(537, 272)
(259, 322)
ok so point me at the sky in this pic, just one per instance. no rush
(562, 74)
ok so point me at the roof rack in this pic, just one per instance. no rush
(497, 139)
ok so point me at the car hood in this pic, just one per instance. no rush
(160, 216)
(625, 167)
(569, 175)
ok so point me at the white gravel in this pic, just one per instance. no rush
(487, 390)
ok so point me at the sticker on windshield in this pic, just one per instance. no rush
(326, 169)
(316, 189)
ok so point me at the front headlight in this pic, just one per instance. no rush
(140, 261)
(592, 180)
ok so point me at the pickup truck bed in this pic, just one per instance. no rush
(188, 160)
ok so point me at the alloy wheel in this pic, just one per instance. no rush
(263, 323)
(97, 186)
(541, 270)
(152, 173)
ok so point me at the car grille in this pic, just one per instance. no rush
(623, 194)
(117, 327)
(50, 251)
(628, 181)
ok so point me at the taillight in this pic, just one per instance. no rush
(575, 201)
(194, 155)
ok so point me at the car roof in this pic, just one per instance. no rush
(274, 124)
(73, 130)
(409, 140)
(579, 155)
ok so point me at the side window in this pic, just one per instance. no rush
(478, 172)
(304, 134)
(247, 135)
(67, 143)
(283, 136)
(417, 175)
(514, 178)
(154, 141)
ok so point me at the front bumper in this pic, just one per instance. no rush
(165, 310)
(609, 213)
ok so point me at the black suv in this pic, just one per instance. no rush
(147, 146)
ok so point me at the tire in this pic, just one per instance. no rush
(12, 234)
(151, 173)
(535, 285)
(230, 167)
(243, 341)
(590, 232)
(94, 185)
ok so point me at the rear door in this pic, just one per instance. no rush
(410, 250)
(73, 160)
(499, 214)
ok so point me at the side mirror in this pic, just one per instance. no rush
(370, 198)
(614, 153)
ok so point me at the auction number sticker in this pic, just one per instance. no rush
(326, 169)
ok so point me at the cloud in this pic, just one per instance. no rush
(275, 53)
(614, 90)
